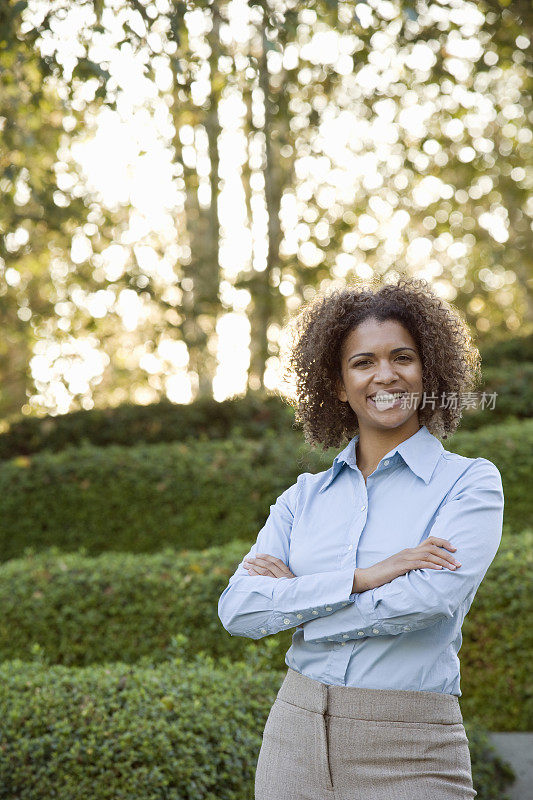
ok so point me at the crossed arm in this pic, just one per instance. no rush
(323, 603)
(259, 605)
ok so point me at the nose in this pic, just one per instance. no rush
(385, 372)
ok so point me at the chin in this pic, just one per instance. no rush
(393, 420)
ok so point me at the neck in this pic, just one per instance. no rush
(373, 444)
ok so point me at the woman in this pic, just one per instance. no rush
(375, 561)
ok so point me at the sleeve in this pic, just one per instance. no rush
(258, 605)
(471, 519)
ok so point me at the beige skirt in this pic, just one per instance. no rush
(347, 743)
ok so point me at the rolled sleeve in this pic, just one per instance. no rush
(471, 519)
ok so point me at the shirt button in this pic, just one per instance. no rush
(263, 630)
(350, 546)
(363, 508)
(360, 633)
(344, 635)
(386, 462)
(406, 628)
(329, 608)
(375, 630)
(286, 621)
(315, 612)
(299, 616)
(342, 645)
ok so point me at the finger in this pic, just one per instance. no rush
(272, 560)
(430, 550)
(257, 570)
(447, 559)
(443, 562)
(272, 566)
(286, 572)
(435, 563)
(268, 573)
(441, 542)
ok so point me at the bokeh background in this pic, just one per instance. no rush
(176, 180)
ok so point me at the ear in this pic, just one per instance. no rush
(341, 392)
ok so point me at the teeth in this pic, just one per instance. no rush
(388, 396)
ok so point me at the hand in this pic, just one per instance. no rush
(264, 564)
(430, 554)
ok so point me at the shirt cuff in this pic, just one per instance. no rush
(297, 600)
(355, 622)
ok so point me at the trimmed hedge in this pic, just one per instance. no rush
(498, 640)
(516, 348)
(250, 416)
(180, 731)
(512, 385)
(504, 370)
(78, 610)
(194, 494)
(115, 606)
(510, 447)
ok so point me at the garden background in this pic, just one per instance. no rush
(177, 179)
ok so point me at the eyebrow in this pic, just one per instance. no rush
(396, 350)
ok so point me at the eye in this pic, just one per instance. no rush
(366, 361)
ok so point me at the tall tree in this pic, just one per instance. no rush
(37, 217)
(390, 136)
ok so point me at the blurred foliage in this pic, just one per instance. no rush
(124, 607)
(32, 225)
(196, 732)
(506, 369)
(183, 494)
(455, 186)
(44, 202)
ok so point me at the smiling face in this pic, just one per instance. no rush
(379, 359)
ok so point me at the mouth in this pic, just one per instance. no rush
(385, 400)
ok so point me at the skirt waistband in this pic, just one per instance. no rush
(388, 705)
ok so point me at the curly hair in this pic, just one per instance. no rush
(450, 360)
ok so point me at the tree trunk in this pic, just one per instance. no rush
(263, 303)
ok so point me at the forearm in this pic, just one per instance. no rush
(362, 581)
(255, 606)
(381, 611)
(472, 521)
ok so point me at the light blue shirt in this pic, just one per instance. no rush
(405, 634)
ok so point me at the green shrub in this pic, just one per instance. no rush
(116, 606)
(498, 640)
(120, 607)
(510, 447)
(142, 498)
(128, 424)
(514, 397)
(194, 494)
(179, 731)
(504, 370)
(501, 353)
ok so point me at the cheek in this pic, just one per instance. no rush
(356, 384)
(415, 374)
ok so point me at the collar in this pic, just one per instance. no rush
(420, 452)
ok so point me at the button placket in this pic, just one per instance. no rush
(360, 503)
